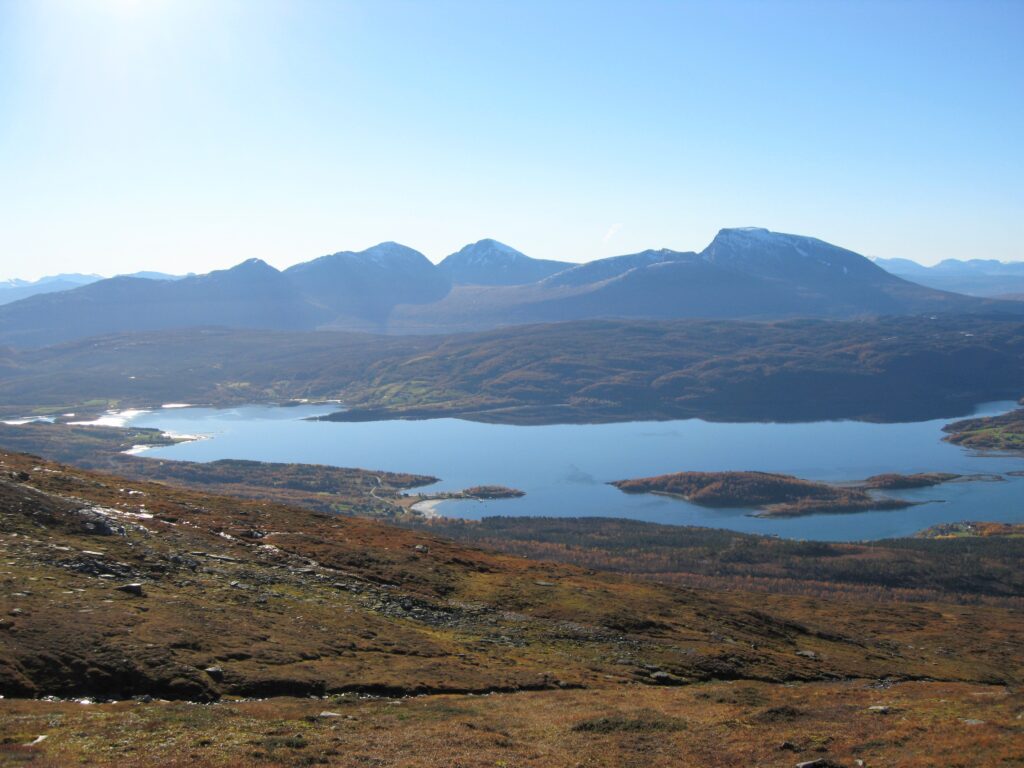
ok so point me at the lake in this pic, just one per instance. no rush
(564, 468)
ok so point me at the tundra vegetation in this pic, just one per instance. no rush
(220, 631)
(226, 614)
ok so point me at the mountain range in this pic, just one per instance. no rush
(489, 262)
(390, 288)
(15, 290)
(975, 277)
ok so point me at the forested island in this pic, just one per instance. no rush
(776, 495)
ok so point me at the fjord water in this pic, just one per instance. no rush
(564, 468)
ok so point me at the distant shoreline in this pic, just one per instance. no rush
(562, 413)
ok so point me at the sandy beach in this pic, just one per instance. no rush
(428, 507)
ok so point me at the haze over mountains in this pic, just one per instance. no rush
(975, 277)
(15, 290)
(744, 273)
(489, 262)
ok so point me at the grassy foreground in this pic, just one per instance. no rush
(713, 724)
(251, 619)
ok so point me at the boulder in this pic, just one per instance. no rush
(215, 672)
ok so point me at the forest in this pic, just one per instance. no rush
(885, 369)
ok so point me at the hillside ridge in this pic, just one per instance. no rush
(118, 588)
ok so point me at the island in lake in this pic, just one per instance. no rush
(892, 481)
(776, 495)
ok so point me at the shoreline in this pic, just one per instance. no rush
(427, 508)
(555, 414)
(426, 505)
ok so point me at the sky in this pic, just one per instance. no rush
(189, 135)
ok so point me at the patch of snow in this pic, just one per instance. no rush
(112, 418)
(30, 420)
(137, 449)
(185, 437)
(176, 405)
(428, 508)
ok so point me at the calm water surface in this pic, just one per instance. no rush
(564, 468)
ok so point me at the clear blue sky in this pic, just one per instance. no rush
(187, 135)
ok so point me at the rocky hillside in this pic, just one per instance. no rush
(115, 588)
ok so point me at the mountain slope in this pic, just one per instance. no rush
(599, 270)
(572, 293)
(823, 279)
(488, 262)
(360, 289)
(743, 273)
(324, 639)
(889, 369)
(675, 288)
(249, 295)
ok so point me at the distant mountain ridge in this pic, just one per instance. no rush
(359, 289)
(488, 262)
(15, 289)
(614, 266)
(750, 273)
(975, 277)
(249, 295)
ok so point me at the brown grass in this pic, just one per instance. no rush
(358, 614)
(713, 724)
